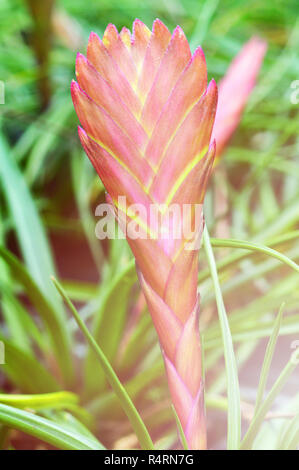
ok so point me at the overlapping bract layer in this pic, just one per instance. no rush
(147, 117)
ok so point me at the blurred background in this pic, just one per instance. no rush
(49, 191)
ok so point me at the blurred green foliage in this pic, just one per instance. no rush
(48, 192)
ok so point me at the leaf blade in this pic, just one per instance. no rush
(46, 430)
(127, 404)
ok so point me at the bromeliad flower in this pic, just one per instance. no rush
(147, 116)
(235, 89)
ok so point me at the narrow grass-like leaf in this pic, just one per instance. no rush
(218, 242)
(25, 371)
(180, 429)
(109, 321)
(137, 344)
(54, 121)
(290, 438)
(46, 430)
(29, 228)
(233, 391)
(73, 422)
(250, 332)
(268, 359)
(107, 403)
(203, 20)
(234, 258)
(256, 271)
(127, 404)
(80, 291)
(266, 405)
(12, 311)
(40, 401)
(52, 320)
(22, 328)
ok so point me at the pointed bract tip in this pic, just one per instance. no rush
(93, 37)
(110, 35)
(179, 33)
(198, 60)
(93, 40)
(74, 90)
(199, 53)
(125, 35)
(125, 30)
(73, 84)
(80, 58)
(212, 95)
(82, 135)
(138, 22)
(212, 87)
(159, 28)
(158, 22)
(139, 27)
(179, 40)
(111, 28)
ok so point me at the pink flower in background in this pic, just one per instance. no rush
(234, 90)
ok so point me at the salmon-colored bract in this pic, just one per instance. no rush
(147, 116)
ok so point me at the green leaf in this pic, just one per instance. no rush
(233, 390)
(25, 371)
(53, 321)
(13, 312)
(32, 240)
(231, 243)
(21, 326)
(71, 422)
(107, 404)
(111, 315)
(40, 401)
(28, 226)
(138, 343)
(55, 434)
(54, 120)
(127, 404)
(180, 429)
(14, 316)
(290, 438)
(266, 405)
(232, 259)
(203, 20)
(80, 291)
(268, 359)
(109, 321)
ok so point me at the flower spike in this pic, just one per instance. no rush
(147, 116)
